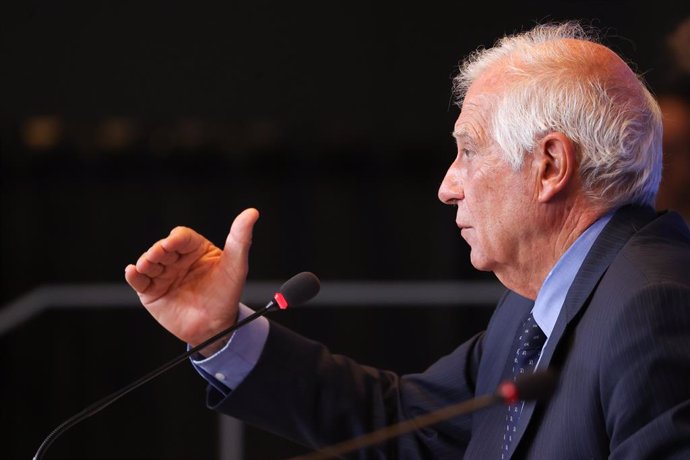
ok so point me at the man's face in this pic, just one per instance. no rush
(494, 202)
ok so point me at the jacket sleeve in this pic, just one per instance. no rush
(301, 391)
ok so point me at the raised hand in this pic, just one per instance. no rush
(190, 286)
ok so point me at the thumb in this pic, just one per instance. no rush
(239, 239)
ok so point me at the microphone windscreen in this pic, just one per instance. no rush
(537, 386)
(300, 288)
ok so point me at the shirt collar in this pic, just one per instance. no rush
(552, 294)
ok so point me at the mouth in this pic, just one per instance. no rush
(463, 231)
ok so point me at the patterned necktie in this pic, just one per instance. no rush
(528, 344)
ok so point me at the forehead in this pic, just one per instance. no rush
(473, 122)
(477, 108)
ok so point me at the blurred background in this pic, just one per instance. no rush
(120, 120)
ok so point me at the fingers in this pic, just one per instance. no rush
(148, 268)
(153, 262)
(170, 257)
(138, 281)
(159, 255)
(239, 239)
(182, 240)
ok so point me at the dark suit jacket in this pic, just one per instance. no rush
(621, 345)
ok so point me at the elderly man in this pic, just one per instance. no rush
(558, 164)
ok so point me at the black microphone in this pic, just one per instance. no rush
(537, 386)
(298, 289)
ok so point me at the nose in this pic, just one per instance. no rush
(451, 191)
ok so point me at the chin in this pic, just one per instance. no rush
(480, 263)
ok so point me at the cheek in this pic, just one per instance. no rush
(485, 201)
(499, 219)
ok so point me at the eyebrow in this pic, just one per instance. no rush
(463, 135)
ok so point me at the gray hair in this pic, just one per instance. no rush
(617, 130)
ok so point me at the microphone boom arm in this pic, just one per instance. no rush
(111, 398)
(537, 386)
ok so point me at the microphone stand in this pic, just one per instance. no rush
(298, 289)
(375, 437)
(108, 400)
(535, 386)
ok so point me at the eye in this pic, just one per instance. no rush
(466, 153)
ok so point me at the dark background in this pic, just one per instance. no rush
(121, 120)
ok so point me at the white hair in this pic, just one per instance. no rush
(553, 86)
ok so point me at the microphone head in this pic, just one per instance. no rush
(537, 386)
(298, 289)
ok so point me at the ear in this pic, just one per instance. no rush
(556, 165)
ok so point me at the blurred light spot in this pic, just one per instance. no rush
(42, 132)
(679, 43)
(116, 134)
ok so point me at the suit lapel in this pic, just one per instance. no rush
(625, 222)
